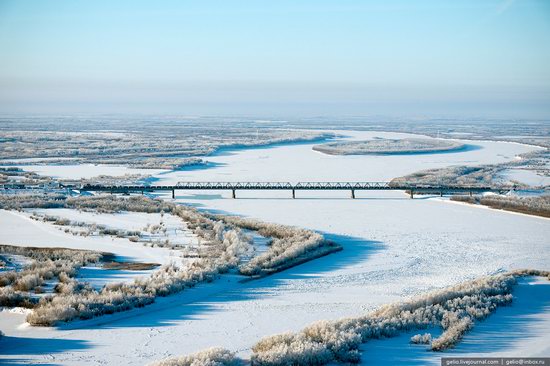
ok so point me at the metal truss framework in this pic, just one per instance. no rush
(330, 186)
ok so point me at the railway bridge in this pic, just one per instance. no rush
(352, 187)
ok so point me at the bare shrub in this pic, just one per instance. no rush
(47, 264)
(42, 254)
(27, 282)
(62, 222)
(11, 298)
(208, 357)
(425, 338)
(453, 334)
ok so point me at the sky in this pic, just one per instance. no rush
(276, 57)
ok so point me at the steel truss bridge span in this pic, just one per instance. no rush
(311, 186)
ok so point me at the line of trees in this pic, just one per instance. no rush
(532, 205)
(289, 246)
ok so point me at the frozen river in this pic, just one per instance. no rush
(299, 162)
(394, 248)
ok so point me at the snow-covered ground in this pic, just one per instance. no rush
(19, 229)
(176, 231)
(524, 176)
(394, 248)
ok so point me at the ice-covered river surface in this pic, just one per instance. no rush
(394, 248)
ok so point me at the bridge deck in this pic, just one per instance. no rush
(233, 186)
(287, 186)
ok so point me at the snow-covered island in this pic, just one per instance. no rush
(382, 146)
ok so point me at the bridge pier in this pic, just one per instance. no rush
(173, 193)
(233, 195)
(293, 194)
(353, 194)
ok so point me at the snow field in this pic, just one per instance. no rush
(394, 248)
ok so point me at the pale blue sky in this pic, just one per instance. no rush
(276, 57)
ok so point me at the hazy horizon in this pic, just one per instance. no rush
(315, 58)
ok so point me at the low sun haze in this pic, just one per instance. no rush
(273, 58)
